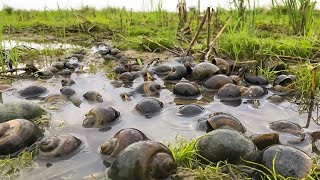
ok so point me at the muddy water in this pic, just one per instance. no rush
(163, 127)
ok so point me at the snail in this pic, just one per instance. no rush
(162, 70)
(216, 82)
(57, 146)
(93, 96)
(263, 141)
(67, 91)
(149, 106)
(32, 91)
(204, 70)
(185, 88)
(255, 80)
(17, 134)
(58, 65)
(100, 117)
(220, 120)
(148, 88)
(177, 73)
(122, 139)
(252, 91)
(223, 65)
(190, 110)
(67, 82)
(229, 92)
(226, 144)
(143, 160)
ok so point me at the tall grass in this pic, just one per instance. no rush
(300, 14)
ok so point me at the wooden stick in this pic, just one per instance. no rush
(170, 50)
(208, 27)
(198, 32)
(312, 91)
(215, 39)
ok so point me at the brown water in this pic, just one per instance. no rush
(163, 127)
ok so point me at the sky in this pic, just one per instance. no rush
(136, 5)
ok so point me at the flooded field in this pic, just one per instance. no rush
(164, 126)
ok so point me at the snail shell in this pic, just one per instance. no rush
(263, 141)
(16, 135)
(122, 139)
(32, 91)
(216, 82)
(149, 106)
(229, 92)
(67, 91)
(162, 70)
(252, 91)
(178, 73)
(222, 64)
(283, 80)
(67, 82)
(255, 80)
(221, 120)
(53, 69)
(100, 117)
(143, 160)
(119, 69)
(58, 146)
(149, 88)
(286, 127)
(126, 77)
(93, 96)
(58, 65)
(184, 88)
(204, 70)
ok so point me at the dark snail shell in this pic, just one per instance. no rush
(286, 127)
(58, 146)
(149, 88)
(33, 91)
(58, 65)
(287, 161)
(100, 117)
(223, 65)
(177, 73)
(255, 80)
(252, 92)
(67, 82)
(67, 91)
(226, 144)
(126, 77)
(20, 110)
(190, 110)
(162, 70)
(283, 80)
(93, 96)
(216, 82)
(220, 120)
(149, 106)
(275, 99)
(184, 88)
(54, 70)
(122, 139)
(119, 69)
(263, 141)
(65, 73)
(143, 160)
(229, 92)
(204, 70)
(15, 135)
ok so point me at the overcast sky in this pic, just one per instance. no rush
(136, 5)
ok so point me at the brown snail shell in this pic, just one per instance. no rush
(149, 106)
(16, 135)
(100, 117)
(148, 88)
(143, 160)
(57, 146)
(93, 96)
(67, 82)
(177, 73)
(263, 141)
(221, 120)
(252, 91)
(286, 127)
(122, 139)
(126, 77)
(223, 65)
(204, 70)
(185, 88)
(162, 70)
(229, 92)
(216, 82)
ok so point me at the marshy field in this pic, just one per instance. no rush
(197, 93)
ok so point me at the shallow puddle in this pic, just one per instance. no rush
(163, 127)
